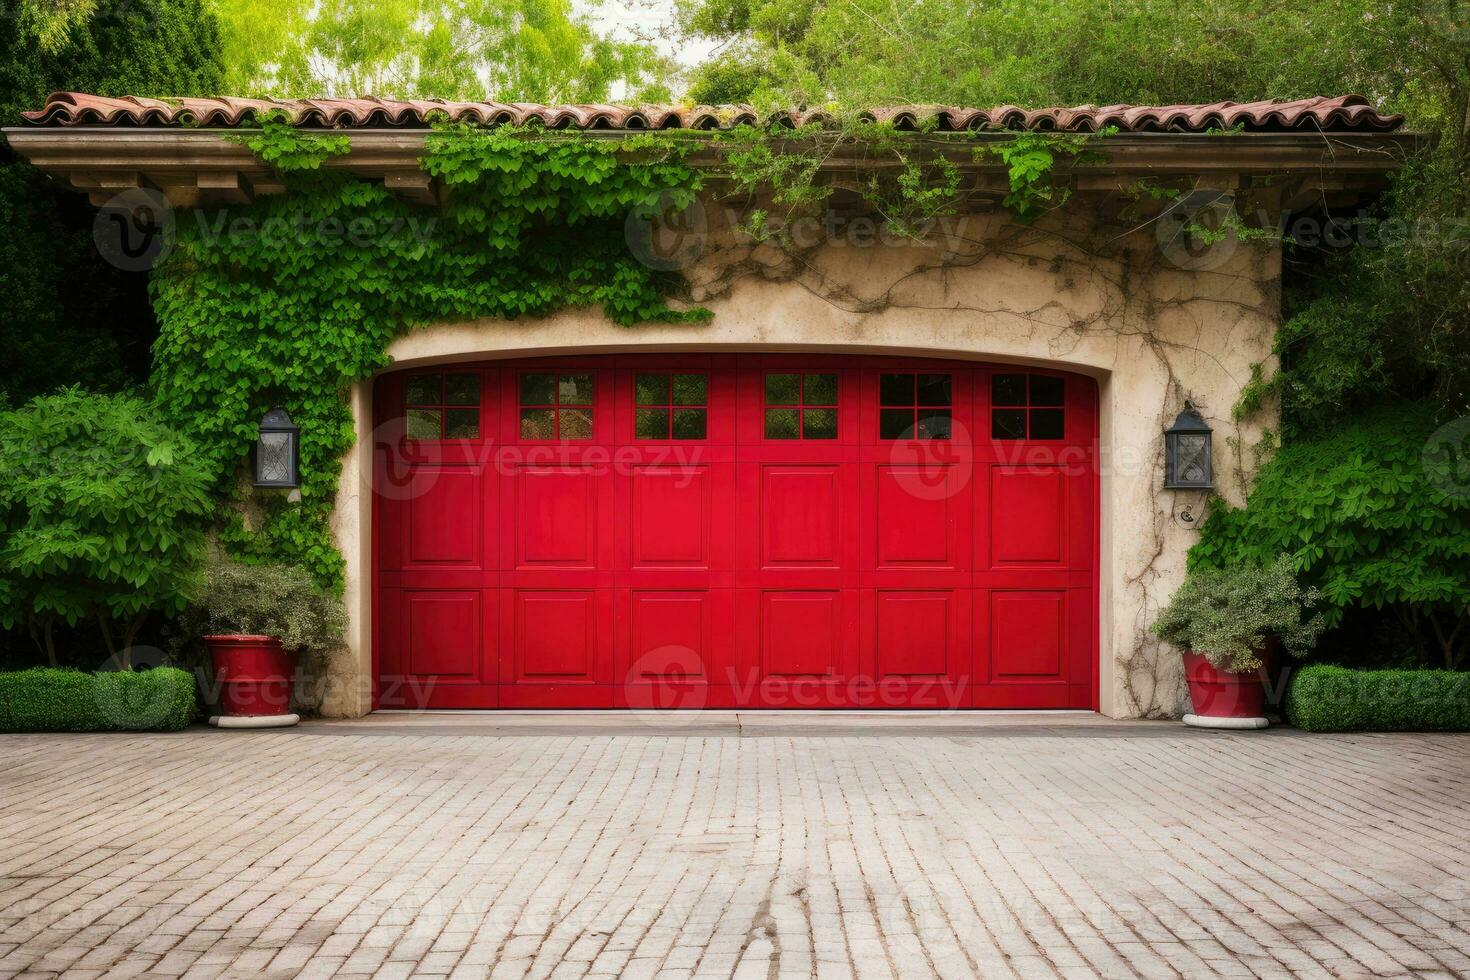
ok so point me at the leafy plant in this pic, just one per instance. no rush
(1327, 698)
(1030, 159)
(102, 509)
(1375, 513)
(53, 700)
(267, 599)
(1228, 615)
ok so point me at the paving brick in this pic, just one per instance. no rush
(1109, 851)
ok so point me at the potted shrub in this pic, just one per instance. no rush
(1229, 622)
(254, 619)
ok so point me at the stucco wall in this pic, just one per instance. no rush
(1087, 292)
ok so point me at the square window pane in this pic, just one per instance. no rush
(934, 423)
(462, 423)
(896, 423)
(1046, 390)
(895, 389)
(783, 389)
(423, 389)
(423, 423)
(690, 389)
(461, 389)
(689, 423)
(1008, 423)
(935, 389)
(651, 423)
(574, 423)
(821, 389)
(576, 389)
(782, 423)
(538, 389)
(538, 423)
(1008, 389)
(819, 423)
(651, 389)
(1047, 423)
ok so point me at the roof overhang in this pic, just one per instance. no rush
(206, 167)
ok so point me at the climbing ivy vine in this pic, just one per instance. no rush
(290, 299)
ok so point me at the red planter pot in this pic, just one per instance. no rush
(253, 674)
(1220, 693)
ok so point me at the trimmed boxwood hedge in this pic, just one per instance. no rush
(48, 699)
(1324, 698)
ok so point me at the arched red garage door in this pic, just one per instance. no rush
(726, 530)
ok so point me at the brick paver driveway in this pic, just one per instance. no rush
(1032, 846)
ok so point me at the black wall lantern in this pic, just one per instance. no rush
(1187, 464)
(278, 451)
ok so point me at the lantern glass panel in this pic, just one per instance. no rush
(1191, 458)
(274, 457)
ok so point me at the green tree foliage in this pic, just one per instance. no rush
(102, 509)
(513, 50)
(1375, 513)
(289, 300)
(70, 317)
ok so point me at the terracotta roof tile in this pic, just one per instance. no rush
(1350, 113)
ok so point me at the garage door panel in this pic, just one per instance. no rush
(1027, 515)
(554, 636)
(1028, 635)
(437, 648)
(794, 546)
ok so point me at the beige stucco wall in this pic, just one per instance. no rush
(1086, 292)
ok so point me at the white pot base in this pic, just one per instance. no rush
(1236, 724)
(254, 721)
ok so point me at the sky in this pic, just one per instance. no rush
(646, 20)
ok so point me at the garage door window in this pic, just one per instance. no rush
(1027, 406)
(556, 406)
(801, 406)
(670, 405)
(915, 406)
(443, 406)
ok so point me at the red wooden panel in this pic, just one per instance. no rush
(555, 636)
(556, 515)
(1025, 514)
(914, 633)
(913, 516)
(1026, 634)
(444, 634)
(444, 516)
(800, 633)
(670, 636)
(671, 515)
(799, 515)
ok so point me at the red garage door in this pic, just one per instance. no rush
(722, 530)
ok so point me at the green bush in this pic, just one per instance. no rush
(266, 598)
(1325, 698)
(49, 699)
(1374, 514)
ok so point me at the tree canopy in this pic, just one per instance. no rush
(513, 50)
